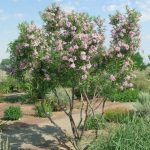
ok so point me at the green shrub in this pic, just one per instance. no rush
(118, 115)
(143, 105)
(61, 100)
(129, 95)
(43, 108)
(94, 122)
(134, 135)
(1, 99)
(8, 85)
(144, 98)
(12, 113)
(142, 80)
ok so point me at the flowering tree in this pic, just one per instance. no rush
(68, 50)
(125, 43)
(59, 54)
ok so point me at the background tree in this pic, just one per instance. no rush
(5, 65)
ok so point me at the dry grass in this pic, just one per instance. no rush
(142, 81)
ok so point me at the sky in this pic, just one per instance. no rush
(13, 12)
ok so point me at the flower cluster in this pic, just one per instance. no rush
(125, 42)
(80, 42)
(31, 48)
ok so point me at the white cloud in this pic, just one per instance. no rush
(120, 5)
(19, 15)
(58, 1)
(111, 7)
(146, 37)
(3, 16)
(68, 9)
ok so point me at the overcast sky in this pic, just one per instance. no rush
(13, 12)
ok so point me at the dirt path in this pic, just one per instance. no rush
(33, 133)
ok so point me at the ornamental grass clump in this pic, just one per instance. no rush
(12, 113)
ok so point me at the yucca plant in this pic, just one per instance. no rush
(4, 143)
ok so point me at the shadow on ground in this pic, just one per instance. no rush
(41, 137)
(15, 97)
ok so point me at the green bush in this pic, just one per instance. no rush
(142, 80)
(118, 115)
(1, 99)
(134, 135)
(43, 108)
(129, 95)
(143, 105)
(12, 113)
(8, 85)
(11, 84)
(60, 101)
(94, 122)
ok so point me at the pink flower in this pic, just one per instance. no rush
(47, 58)
(85, 46)
(123, 30)
(71, 49)
(119, 55)
(127, 63)
(84, 77)
(126, 46)
(74, 28)
(121, 87)
(128, 78)
(130, 85)
(59, 45)
(31, 37)
(36, 43)
(68, 24)
(117, 49)
(112, 78)
(132, 34)
(47, 78)
(125, 83)
(83, 56)
(22, 66)
(72, 65)
(71, 60)
(35, 53)
(83, 68)
(88, 66)
(31, 69)
(113, 33)
(76, 46)
(64, 58)
(31, 28)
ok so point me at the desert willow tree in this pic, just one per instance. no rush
(125, 42)
(66, 52)
(76, 39)
(60, 53)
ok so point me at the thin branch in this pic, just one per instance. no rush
(81, 112)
